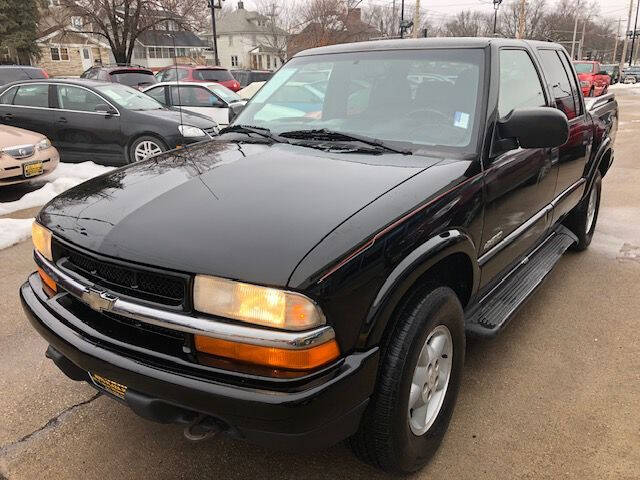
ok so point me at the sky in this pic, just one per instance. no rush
(446, 8)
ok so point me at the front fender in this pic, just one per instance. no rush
(407, 272)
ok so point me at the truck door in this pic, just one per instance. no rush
(519, 183)
(572, 156)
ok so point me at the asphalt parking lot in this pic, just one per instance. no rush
(557, 395)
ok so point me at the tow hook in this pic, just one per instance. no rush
(201, 428)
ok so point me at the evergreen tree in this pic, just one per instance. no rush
(19, 27)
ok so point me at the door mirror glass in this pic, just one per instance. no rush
(541, 127)
(104, 108)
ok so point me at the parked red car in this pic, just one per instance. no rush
(198, 73)
(594, 80)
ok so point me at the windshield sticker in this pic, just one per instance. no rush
(461, 120)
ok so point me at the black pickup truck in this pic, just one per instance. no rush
(311, 274)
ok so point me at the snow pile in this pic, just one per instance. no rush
(14, 231)
(64, 177)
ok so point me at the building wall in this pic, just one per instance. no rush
(240, 46)
(74, 44)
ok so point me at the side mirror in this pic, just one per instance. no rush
(541, 127)
(103, 108)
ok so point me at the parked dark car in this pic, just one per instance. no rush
(613, 70)
(308, 277)
(247, 77)
(12, 73)
(108, 123)
(198, 73)
(132, 75)
(631, 74)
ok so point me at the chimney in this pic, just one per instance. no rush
(241, 5)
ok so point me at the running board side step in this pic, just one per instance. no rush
(494, 310)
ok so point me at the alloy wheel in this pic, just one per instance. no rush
(146, 149)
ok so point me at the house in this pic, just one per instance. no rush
(248, 39)
(318, 34)
(162, 47)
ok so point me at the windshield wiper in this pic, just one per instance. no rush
(248, 129)
(324, 134)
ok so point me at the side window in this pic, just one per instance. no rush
(76, 98)
(520, 85)
(188, 96)
(157, 93)
(32, 95)
(558, 80)
(169, 75)
(7, 97)
(182, 73)
(575, 89)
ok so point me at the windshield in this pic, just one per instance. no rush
(421, 97)
(583, 67)
(133, 79)
(128, 97)
(223, 92)
(212, 75)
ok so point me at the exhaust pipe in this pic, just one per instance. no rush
(201, 428)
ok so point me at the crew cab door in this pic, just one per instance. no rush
(82, 132)
(519, 183)
(572, 156)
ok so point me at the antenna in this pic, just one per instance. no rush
(175, 66)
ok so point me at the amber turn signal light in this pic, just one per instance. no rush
(48, 281)
(304, 359)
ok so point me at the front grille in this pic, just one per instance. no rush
(162, 288)
(20, 151)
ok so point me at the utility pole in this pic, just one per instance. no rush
(575, 30)
(402, 20)
(615, 45)
(496, 6)
(633, 38)
(626, 38)
(521, 19)
(214, 35)
(416, 19)
(581, 44)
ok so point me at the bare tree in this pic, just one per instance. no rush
(120, 22)
(469, 24)
(280, 23)
(535, 25)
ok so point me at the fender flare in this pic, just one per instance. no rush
(597, 161)
(405, 274)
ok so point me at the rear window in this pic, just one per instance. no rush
(8, 75)
(133, 78)
(583, 67)
(260, 76)
(212, 75)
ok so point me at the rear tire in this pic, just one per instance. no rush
(145, 144)
(583, 218)
(393, 435)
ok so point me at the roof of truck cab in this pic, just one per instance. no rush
(422, 43)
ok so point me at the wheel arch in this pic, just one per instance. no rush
(449, 259)
(602, 161)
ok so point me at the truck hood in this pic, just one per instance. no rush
(243, 211)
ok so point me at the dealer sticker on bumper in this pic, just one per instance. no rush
(114, 388)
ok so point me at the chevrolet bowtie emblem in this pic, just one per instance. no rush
(99, 300)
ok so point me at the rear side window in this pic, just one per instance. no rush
(78, 99)
(32, 96)
(575, 88)
(212, 75)
(520, 85)
(559, 83)
(188, 96)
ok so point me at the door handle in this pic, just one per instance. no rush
(62, 120)
(7, 116)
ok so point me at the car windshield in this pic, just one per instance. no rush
(419, 98)
(224, 93)
(212, 75)
(133, 78)
(128, 97)
(583, 67)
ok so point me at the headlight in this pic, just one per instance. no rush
(41, 238)
(585, 83)
(43, 144)
(189, 131)
(270, 307)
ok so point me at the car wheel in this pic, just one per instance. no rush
(145, 147)
(582, 219)
(417, 384)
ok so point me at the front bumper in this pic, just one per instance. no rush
(314, 415)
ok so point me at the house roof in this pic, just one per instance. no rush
(169, 38)
(243, 21)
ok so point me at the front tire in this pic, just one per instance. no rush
(417, 385)
(583, 218)
(145, 147)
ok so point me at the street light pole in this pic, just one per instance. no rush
(633, 37)
(496, 6)
(402, 20)
(213, 6)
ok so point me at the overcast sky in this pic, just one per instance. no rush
(446, 8)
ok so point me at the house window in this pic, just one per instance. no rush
(230, 40)
(59, 54)
(268, 62)
(234, 60)
(76, 22)
(54, 3)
